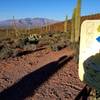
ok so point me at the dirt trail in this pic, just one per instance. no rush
(40, 76)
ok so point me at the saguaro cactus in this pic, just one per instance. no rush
(75, 34)
(65, 24)
(14, 26)
(46, 26)
(77, 20)
(49, 28)
(73, 27)
(7, 32)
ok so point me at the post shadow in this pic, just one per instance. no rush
(28, 84)
(84, 94)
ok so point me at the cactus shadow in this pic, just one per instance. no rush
(26, 86)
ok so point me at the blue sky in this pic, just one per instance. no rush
(52, 9)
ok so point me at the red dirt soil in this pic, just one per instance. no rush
(36, 76)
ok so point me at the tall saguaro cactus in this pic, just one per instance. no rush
(46, 26)
(14, 26)
(77, 20)
(73, 27)
(75, 34)
(65, 24)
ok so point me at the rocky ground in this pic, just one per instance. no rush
(40, 75)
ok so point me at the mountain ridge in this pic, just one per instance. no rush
(26, 22)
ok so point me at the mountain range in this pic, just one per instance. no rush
(26, 22)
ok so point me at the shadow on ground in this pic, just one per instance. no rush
(28, 84)
(21, 53)
(84, 94)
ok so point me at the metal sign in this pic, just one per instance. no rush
(89, 43)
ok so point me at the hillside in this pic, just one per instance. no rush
(59, 27)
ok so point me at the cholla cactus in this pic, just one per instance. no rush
(34, 38)
(65, 24)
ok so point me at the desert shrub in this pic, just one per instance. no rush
(20, 42)
(5, 52)
(54, 47)
(1, 46)
(58, 46)
(58, 41)
(17, 52)
(30, 47)
(12, 47)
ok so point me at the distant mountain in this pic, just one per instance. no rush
(27, 22)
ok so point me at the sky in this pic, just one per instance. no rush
(52, 9)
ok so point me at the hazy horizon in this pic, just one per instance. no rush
(51, 9)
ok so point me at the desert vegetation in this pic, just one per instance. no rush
(20, 38)
(62, 36)
(40, 63)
